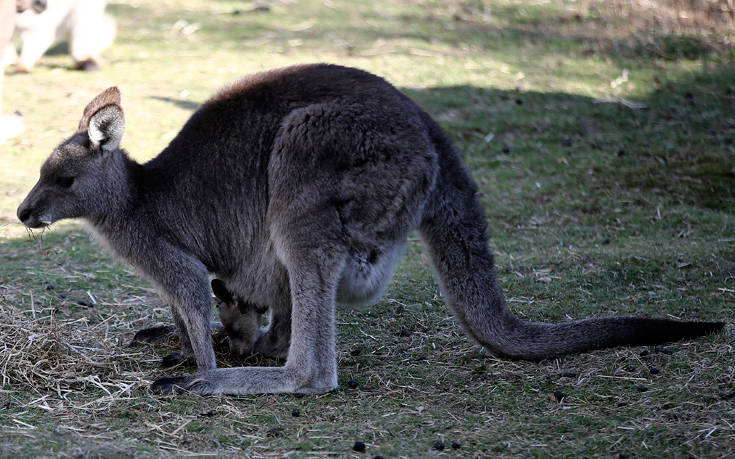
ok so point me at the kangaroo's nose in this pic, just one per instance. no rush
(24, 214)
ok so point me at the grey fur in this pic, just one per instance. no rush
(297, 188)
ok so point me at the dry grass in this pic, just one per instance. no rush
(58, 357)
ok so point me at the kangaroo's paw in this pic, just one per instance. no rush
(178, 358)
(162, 334)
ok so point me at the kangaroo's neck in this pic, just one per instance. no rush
(113, 207)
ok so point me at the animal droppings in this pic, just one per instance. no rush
(359, 446)
(295, 413)
(352, 384)
(456, 445)
(641, 388)
(438, 445)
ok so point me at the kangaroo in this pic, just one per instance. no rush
(82, 23)
(297, 188)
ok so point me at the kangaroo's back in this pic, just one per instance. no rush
(215, 182)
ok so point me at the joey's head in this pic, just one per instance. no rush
(85, 176)
(240, 320)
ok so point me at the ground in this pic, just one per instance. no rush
(602, 136)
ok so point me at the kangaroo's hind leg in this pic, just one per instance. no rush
(313, 272)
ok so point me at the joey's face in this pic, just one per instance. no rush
(239, 319)
(68, 187)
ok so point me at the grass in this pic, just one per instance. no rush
(602, 139)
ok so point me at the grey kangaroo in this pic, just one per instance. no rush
(297, 188)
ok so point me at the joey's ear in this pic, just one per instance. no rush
(220, 291)
(103, 120)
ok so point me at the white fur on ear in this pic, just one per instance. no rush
(106, 128)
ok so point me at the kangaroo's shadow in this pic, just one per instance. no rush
(185, 104)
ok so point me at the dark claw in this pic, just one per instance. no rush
(179, 384)
(170, 385)
(154, 335)
(176, 359)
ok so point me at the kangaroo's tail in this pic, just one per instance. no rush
(454, 230)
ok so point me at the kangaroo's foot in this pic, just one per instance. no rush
(248, 380)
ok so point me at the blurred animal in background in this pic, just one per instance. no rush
(82, 23)
(11, 125)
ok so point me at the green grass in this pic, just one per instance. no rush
(594, 209)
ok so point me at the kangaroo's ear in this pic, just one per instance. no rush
(220, 291)
(104, 121)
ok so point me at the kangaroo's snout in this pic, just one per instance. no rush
(23, 214)
(30, 217)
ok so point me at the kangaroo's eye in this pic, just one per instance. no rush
(64, 182)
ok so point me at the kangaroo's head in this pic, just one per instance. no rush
(85, 176)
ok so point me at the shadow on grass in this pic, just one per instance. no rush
(185, 104)
(679, 146)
